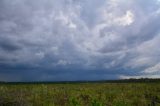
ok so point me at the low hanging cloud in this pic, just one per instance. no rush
(79, 40)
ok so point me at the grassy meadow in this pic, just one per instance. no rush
(80, 94)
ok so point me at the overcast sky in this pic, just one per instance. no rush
(58, 40)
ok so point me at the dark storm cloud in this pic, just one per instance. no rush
(8, 45)
(79, 40)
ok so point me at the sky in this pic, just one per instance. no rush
(70, 40)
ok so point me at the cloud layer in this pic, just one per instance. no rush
(78, 39)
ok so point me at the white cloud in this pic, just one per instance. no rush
(153, 69)
(113, 19)
(139, 76)
(127, 19)
(62, 62)
(40, 55)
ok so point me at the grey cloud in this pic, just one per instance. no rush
(9, 47)
(59, 40)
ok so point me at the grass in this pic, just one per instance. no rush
(81, 94)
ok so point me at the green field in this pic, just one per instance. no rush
(80, 94)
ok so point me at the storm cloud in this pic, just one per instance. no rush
(55, 40)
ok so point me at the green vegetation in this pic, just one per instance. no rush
(80, 94)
